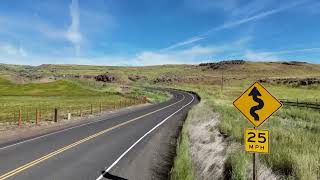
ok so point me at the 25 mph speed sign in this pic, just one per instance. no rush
(256, 140)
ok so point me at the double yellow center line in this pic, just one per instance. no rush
(43, 158)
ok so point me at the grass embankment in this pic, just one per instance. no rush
(71, 96)
(294, 132)
(182, 164)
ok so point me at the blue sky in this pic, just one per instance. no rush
(147, 32)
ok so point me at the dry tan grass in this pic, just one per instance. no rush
(207, 145)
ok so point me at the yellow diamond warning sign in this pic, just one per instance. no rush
(256, 140)
(257, 104)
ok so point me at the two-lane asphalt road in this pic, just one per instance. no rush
(83, 151)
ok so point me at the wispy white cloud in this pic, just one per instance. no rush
(188, 41)
(186, 56)
(235, 23)
(83, 23)
(11, 50)
(260, 56)
(73, 34)
(275, 55)
(255, 17)
(192, 55)
(316, 49)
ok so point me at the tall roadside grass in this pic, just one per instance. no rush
(183, 169)
(294, 133)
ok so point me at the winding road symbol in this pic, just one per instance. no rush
(255, 93)
(257, 104)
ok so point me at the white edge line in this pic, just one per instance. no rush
(59, 131)
(134, 144)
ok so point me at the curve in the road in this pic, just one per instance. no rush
(134, 144)
(41, 140)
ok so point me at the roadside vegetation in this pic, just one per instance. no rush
(183, 168)
(294, 132)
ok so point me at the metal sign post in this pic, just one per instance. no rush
(254, 171)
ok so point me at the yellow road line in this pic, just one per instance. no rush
(43, 158)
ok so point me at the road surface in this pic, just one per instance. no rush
(115, 147)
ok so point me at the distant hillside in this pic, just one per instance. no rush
(205, 73)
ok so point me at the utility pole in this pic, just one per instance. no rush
(221, 80)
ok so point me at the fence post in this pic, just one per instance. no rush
(20, 119)
(80, 111)
(55, 114)
(37, 117)
(100, 107)
(91, 109)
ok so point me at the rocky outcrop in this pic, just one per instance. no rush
(221, 64)
(107, 77)
(291, 81)
(295, 63)
(168, 78)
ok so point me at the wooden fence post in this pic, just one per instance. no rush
(20, 119)
(100, 107)
(55, 114)
(91, 109)
(37, 117)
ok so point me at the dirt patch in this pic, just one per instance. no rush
(45, 80)
(136, 77)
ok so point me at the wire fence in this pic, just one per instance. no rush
(302, 103)
(29, 114)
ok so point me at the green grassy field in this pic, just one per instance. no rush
(69, 96)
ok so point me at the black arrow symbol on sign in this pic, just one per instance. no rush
(255, 93)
